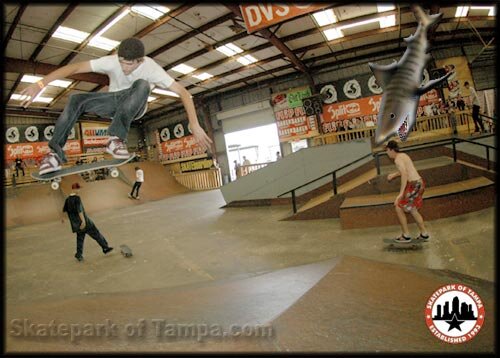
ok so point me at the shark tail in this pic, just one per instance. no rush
(425, 19)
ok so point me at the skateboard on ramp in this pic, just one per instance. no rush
(414, 244)
(125, 250)
(55, 177)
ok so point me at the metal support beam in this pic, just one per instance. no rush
(12, 27)
(38, 68)
(275, 41)
(164, 19)
(191, 34)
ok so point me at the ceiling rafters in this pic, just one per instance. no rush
(191, 34)
(304, 49)
(13, 26)
(224, 42)
(284, 39)
(164, 19)
(45, 39)
(275, 41)
(40, 68)
(159, 111)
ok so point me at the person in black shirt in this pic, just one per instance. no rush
(81, 223)
(19, 165)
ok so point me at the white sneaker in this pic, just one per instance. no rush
(117, 148)
(50, 163)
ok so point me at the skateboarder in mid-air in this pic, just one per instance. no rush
(81, 223)
(131, 77)
(412, 188)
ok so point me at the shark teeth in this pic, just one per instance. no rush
(403, 130)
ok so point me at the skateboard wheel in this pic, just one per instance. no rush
(114, 173)
(54, 185)
(57, 180)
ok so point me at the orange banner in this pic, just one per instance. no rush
(350, 109)
(37, 149)
(184, 147)
(260, 16)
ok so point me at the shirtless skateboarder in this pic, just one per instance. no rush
(409, 199)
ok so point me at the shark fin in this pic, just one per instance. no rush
(431, 84)
(383, 73)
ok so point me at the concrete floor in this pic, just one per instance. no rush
(187, 239)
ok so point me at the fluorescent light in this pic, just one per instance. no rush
(326, 17)
(60, 83)
(387, 21)
(104, 43)
(182, 68)
(165, 92)
(43, 99)
(332, 34)
(461, 11)
(203, 76)
(114, 21)
(229, 49)
(18, 97)
(359, 23)
(151, 98)
(152, 12)
(38, 98)
(70, 34)
(30, 78)
(491, 8)
(384, 7)
(57, 83)
(246, 60)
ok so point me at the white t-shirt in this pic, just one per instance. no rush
(139, 176)
(148, 70)
(474, 97)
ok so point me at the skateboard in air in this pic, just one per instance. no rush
(55, 177)
(414, 244)
(125, 250)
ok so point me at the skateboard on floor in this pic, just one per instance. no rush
(55, 177)
(125, 250)
(414, 244)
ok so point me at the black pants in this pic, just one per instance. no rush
(478, 122)
(136, 187)
(94, 233)
(17, 171)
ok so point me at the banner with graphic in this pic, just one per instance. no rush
(263, 15)
(94, 134)
(291, 119)
(32, 133)
(354, 103)
(363, 112)
(460, 73)
(36, 150)
(176, 142)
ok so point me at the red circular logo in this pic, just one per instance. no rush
(454, 313)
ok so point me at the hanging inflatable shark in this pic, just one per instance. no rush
(401, 81)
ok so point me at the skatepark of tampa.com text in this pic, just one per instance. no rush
(160, 328)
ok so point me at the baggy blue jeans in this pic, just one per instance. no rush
(122, 106)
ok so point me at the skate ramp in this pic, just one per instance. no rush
(370, 306)
(158, 182)
(344, 304)
(32, 204)
(101, 194)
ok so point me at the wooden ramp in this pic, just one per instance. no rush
(344, 304)
(32, 204)
(439, 201)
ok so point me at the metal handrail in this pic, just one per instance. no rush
(376, 155)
